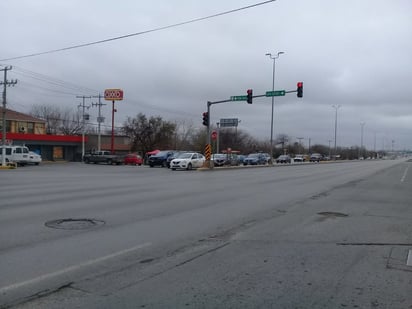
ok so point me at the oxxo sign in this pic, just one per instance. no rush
(113, 94)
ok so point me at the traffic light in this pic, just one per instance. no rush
(206, 119)
(300, 89)
(249, 96)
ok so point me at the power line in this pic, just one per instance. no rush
(140, 33)
(30, 87)
(52, 80)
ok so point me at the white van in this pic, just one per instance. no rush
(18, 154)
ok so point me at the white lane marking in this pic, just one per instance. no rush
(404, 174)
(409, 260)
(71, 268)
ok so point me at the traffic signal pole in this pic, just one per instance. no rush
(247, 98)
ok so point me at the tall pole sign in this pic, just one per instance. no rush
(113, 95)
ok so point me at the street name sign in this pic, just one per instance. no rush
(238, 98)
(229, 122)
(276, 93)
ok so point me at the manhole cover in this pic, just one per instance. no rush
(332, 214)
(74, 224)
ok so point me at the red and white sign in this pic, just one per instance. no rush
(113, 94)
(214, 135)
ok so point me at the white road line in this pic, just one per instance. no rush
(71, 268)
(409, 260)
(404, 174)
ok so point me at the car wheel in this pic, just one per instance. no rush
(189, 166)
(110, 162)
(173, 169)
(86, 161)
(151, 165)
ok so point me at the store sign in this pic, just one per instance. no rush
(113, 94)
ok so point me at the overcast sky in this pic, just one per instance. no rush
(352, 53)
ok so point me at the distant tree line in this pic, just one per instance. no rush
(149, 133)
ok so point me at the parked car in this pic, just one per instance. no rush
(316, 157)
(256, 158)
(283, 159)
(174, 155)
(133, 159)
(233, 159)
(160, 158)
(299, 158)
(219, 159)
(241, 158)
(103, 156)
(17, 154)
(222, 159)
(188, 161)
(267, 157)
(34, 158)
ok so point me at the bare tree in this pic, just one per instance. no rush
(71, 123)
(50, 114)
(58, 120)
(184, 135)
(149, 133)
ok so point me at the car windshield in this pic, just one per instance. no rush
(161, 154)
(253, 155)
(186, 155)
(219, 156)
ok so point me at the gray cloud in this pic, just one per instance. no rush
(352, 53)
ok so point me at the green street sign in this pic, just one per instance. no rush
(238, 98)
(276, 93)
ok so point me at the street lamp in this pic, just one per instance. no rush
(329, 149)
(300, 144)
(273, 100)
(336, 107)
(362, 124)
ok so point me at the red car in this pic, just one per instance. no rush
(133, 159)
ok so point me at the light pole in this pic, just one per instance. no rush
(273, 100)
(300, 144)
(217, 137)
(336, 107)
(362, 124)
(329, 148)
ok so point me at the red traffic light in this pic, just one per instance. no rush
(300, 89)
(206, 119)
(249, 96)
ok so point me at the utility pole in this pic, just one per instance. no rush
(100, 119)
(336, 107)
(83, 120)
(300, 144)
(309, 145)
(5, 83)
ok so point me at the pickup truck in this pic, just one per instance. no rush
(102, 157)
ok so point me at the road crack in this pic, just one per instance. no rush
(38, 295)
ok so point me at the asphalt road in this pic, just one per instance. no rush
(303, 236)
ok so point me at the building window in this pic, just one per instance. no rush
(30, 127)
(22, 127)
